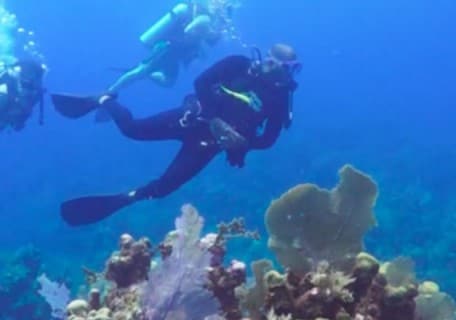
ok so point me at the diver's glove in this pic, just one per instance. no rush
(226, 136)
(230, 140)
(236, 157)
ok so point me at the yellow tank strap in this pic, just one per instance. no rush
(240, 96)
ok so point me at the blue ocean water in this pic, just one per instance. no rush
(376, 91)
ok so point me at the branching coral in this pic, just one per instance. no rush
(131, 264)
(223, 283)
(330, 294)
(332, 283)
(308, 224)
(321, 293)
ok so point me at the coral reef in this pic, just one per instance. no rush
(189, 282)
(321, 276)
(308, 224)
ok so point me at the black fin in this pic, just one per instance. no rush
(73, 106)
(102, 115)
(89, 210)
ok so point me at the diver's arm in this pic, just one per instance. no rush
(278, 118)
(225, 70)
(270, 134)
(200, 25)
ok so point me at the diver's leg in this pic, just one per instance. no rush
(190, 160)
(138, 72)
(162, 126)
(167, 75)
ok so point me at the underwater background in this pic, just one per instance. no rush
(377, 90)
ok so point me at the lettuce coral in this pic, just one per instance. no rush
(308, 224)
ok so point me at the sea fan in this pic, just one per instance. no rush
(56, 295)
(177, 284)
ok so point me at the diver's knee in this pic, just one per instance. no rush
(162, 79)
(153, 190)
(180, 9)
(140, 70)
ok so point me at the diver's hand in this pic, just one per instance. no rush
(236, 158)
(226, 136)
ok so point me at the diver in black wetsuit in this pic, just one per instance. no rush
(240, 104)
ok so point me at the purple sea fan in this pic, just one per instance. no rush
(56, 295)
(176, 286)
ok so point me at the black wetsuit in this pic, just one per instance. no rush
(198, 144)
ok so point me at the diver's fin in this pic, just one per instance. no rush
(102, 115)
(73, 106)
(88, 210)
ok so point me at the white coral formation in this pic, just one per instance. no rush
(273, 316)
(57, 295)
(101, 314)
(77, 309)
(308, 224)
(332, 283)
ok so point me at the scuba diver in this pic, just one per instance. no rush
(240, 104)
(177, 38)
(20, 90)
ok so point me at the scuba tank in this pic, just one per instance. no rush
(158, 30)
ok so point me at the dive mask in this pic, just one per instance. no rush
(272, 64)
